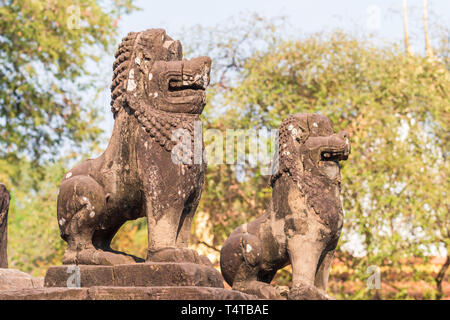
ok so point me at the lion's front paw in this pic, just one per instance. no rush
(283, 291)
(70, 257)
(177, 255)
(100, 257)
(259, 289)
(307, 292)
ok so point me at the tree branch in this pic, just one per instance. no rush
(440, 277)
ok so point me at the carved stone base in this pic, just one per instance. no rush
(152, 274)
(126, 293)
(140, 281)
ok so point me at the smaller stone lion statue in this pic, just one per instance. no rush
(304, 219)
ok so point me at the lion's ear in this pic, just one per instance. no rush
(302, 134)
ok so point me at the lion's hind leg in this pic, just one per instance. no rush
(81, 208)
(184, 232)
(241, 260)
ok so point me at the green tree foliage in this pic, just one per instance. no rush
(396, 108)
(34, 243)
(46, 50)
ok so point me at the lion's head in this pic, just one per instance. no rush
(149, 73)
(309, 152)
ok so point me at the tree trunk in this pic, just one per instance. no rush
(428, 49)
(405, 27)
(4, 206)
(441, 276)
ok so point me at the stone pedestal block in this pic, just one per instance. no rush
(126, 293)
(153, 274)
(11, 279)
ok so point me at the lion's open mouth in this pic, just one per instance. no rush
(186, 85)
(336, 152)
(181, 82)
(330, 155)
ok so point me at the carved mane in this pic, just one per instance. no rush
(286, 153)
(120, 71)
(312, 183)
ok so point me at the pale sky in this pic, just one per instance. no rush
(305, 15)
(380, 17)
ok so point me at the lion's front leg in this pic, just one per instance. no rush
(304, 254)
(164, 226)
(187, 216)
(185, 227)
(161, 228)
(323, 271)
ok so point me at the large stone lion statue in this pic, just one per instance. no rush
(303, 222)
(4, 207)
(154, 92)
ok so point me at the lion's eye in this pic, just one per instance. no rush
(147, 56)
(301, 134)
